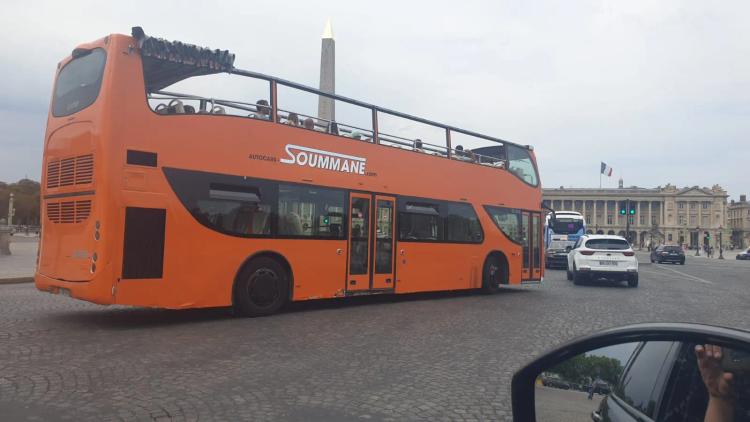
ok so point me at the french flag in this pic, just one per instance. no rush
(606, 170)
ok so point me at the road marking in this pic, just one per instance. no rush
(686, 275)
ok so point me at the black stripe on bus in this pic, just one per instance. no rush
(69, 194)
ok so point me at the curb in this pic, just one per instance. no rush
(16, 280)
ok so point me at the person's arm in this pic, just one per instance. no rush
(718, 383)
(719, 410)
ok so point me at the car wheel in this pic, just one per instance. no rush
(262, 288)
(570, 275)
(682, 262)
(652, 260)
(578, 278)
(633, 280)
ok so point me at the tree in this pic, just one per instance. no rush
(582, 369)
(25, 201)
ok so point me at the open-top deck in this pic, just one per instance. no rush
(168, 62)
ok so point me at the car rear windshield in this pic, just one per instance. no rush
(78, 83)
(673, 249)
(608, 244)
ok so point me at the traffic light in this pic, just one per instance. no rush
(632, 208)
(623, 210)
(325, 220)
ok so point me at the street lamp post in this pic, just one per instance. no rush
(721, 245)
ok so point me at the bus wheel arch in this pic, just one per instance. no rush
(267, 272)
(494, 272)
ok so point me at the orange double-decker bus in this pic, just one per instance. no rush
(164, 199)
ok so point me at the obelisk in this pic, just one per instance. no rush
(326, 106)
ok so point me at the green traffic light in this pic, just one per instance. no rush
(632, 211)
(622, 211)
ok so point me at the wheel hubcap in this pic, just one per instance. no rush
(263, 287)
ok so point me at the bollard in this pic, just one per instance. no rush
(4, 240)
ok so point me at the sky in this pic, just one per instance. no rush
(656, 89)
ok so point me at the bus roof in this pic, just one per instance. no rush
(168, 62)
(566, 214)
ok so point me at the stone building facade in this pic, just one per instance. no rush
(689, 216)
(738, 215)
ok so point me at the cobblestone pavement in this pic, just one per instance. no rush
(446, 356)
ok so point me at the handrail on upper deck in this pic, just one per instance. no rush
(389, 139)
(375, 109)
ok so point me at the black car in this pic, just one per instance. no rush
(668, 253)
(555, 382)
(556, 258)
(744, 255)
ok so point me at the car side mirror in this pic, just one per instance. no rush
(660, 371)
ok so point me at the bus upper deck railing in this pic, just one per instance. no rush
(271, 112)
(166, 62)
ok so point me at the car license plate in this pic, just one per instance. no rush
(610, 263)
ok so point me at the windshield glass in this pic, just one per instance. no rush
(566, 226)
(608, 244)
(78, 84)
(508, 221)
(559, 244)
(520, 164)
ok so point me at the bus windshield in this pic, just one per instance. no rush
(78, 84)
(566, 226)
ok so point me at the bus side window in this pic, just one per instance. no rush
(311, 211)
(235, 208)
(462, 224)
(420, 221)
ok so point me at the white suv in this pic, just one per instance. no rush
(597, 256)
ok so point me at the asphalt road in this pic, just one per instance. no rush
(432, 356)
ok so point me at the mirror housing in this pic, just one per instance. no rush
(523, 382)
(554, 216)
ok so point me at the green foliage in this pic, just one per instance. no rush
(25, 201)
(582, 369)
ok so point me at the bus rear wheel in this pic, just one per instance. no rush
(493, 274)
(262, 288)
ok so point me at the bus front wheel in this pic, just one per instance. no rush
(493, 274)
(262, 288)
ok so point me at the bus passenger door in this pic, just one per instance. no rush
(383, 236)
(526, 241)
(358, 274)
(536, 241)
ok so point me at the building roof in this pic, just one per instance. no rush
(636, 190)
